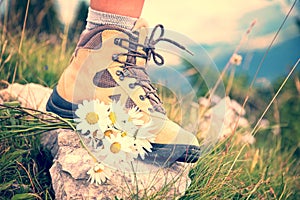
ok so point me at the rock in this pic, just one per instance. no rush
(220, 118)
(31, 95)
(49, 141)
(70, 178)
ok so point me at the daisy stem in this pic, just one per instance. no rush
(85, 147)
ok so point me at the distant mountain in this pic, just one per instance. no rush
(278, 62)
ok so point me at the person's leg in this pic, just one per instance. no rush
(119, 13)
(132, 8)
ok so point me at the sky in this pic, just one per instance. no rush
(218, 21)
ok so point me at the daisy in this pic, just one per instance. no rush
(117, 113)
(92, 115)
(141, 147)
(236, 59)
(116, 148)
(127, 122)
(98, 174)
(135, 116)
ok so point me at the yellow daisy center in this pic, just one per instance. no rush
(112, 116)
(92, 118)
(123, 134)
(115, 147)
(98, 169)
(107, 133)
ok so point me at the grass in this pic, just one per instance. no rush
(244, 173)
(23, 164)
(24, 170)
(39, 60)
(231, 170)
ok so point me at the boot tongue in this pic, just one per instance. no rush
(140, 71)
(139, 24)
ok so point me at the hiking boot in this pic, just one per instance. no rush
(109, 64)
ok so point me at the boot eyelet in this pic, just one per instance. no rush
(117, 41)
(118, 72)
(142, 97)
(131, 85)
(114, 57)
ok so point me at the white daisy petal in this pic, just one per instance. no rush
(116, 149)
(92, 116)
(135, 113)
(82, 127)
(141, 147)
(124, 121)
(98, 174)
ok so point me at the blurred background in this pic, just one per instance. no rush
(37, 39)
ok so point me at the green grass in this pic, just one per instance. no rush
(23, 163)
(38, 61)
(24, 169)
(244, 173)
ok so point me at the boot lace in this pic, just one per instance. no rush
(131, 70)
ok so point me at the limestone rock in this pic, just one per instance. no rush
(220, 118)
(49, 141)
(31, 95)
(70, 178)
